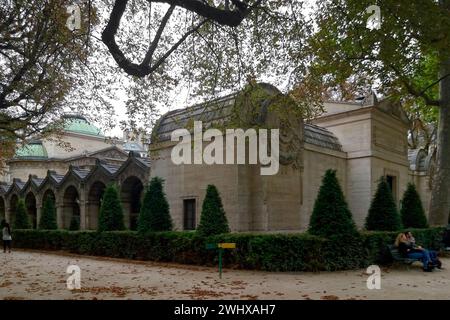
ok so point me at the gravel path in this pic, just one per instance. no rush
(42, 275)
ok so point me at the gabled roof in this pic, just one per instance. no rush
(54, 176)
(80, 173)
(111, 169)
(143, 163)
(5, 188)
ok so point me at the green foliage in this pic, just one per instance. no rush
(331, 215)
(74, 223)
(48, 215)
(154, 214)
(271, 252)
(111, 212)
(213, 219)
(412, 212)
(383, 214)
(21, 220)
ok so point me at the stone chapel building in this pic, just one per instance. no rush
(361, 140)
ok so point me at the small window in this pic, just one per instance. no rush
(189, 214)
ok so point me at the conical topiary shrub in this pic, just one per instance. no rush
(48, 215)
(383, 214)
(21, 220)
(111, 212)
(331, 215)
(412, 212)
(213, 219)
(154, 214)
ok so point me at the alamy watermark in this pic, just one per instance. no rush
(73, 22)
(74, 280)
(374, 21)
(374, 280)
(235, 141)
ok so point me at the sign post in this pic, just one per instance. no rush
(220, 247)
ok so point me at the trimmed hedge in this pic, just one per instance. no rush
(270, 252)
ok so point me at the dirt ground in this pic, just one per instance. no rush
(42, 275)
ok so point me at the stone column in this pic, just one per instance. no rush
(7, 213)
(59, 215)
(83, 210)
(38, 213)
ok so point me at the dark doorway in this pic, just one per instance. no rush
(189, 214)
(30, 203)
(94, 203)
(131, 196)
(12, 209)
(2, 209)
(71, 207)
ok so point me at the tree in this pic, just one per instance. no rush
(412, 213)
(213, 219)
(383, 214)
(210, 47)
(47, 69)
(48, 215)
(154, 214)
(21, 220)
(111, 212)
(391, 60)
(37, 55)
(331, 215)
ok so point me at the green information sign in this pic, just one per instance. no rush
(220, 247)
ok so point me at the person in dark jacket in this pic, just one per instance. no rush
(407, 251)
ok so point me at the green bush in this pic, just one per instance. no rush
(331, 216)
(48, 215)
(111, 212)
(412, 213)
(154, 214)
(270, 252)
(383, 214)
(21, 220)
(213, 219)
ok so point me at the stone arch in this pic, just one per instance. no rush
(31, 205)
(94, 200)
(70, 206)
(48, 193)
(13, 201)
(2, 209)
(131, 193)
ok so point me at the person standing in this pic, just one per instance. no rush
(7, 238)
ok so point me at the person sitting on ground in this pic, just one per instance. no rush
(432, 253)
(407, 251)
(7, 239)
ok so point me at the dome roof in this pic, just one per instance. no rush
(32, 150)
(79, 124)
